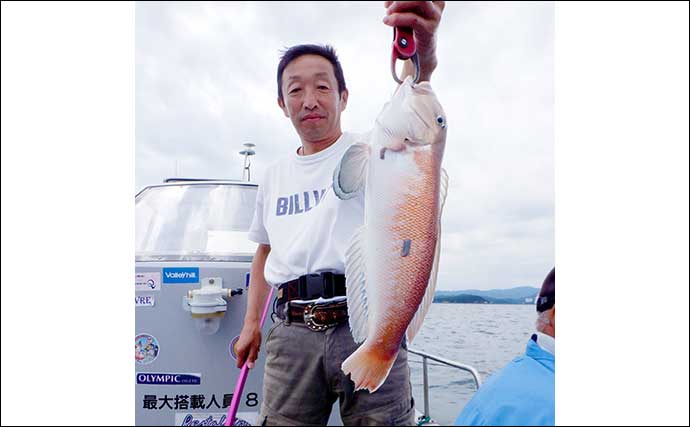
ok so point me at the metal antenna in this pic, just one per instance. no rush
(247, 152)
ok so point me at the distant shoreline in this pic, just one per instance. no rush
(523, 295)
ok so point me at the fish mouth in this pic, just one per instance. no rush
(415, 143)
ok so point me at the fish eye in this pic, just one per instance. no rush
(441, 121)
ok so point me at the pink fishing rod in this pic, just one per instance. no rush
(234, 405)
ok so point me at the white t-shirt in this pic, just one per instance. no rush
(297, 213)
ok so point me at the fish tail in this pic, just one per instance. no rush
(368, 368)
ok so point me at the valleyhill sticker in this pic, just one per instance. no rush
(181, 275)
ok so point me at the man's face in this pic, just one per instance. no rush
(311, 99)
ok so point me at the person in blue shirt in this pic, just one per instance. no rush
(523, 392)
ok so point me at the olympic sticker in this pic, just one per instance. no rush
(233, 351)
(146, 349)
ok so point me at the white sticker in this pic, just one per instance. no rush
(231, 347)
(146, 349)
(198, 419)
(148, 281)
(249, 418)
(144, 300)
(212, 419)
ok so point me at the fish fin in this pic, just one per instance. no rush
(356, 284)
(349, 175)
(418, 319)
(368, 368)
(442, 193)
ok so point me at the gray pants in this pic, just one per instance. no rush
(303, 379)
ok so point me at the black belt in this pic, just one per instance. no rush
(312, 286)
(316, 316)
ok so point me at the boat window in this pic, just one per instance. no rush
(194, 220)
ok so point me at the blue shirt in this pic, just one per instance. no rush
(522, 393)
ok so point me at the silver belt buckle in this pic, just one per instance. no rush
(309, 319)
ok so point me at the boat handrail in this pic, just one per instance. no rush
(451, 363)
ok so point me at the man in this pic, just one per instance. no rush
(523, 392)
(303, 231)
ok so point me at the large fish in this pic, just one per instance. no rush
(392, 263)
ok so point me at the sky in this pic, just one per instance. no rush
(206, 84)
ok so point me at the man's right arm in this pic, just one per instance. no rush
(247, 347)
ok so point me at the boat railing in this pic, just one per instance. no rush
(451, 363)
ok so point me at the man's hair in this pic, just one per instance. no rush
(324, 51)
